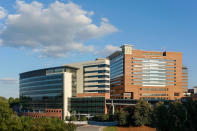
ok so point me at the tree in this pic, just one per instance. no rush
(10, 121)
(130, 111)
(177, 116)
(11, 100)
(123, 118)
(14, 123)
(116, 115)
(191, 117)
(160, 117)
(173, 117)
(142, 113)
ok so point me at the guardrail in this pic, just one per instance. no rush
(77, 122)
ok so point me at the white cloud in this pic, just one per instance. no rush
(52, 31)
(3, 12)
(8, 81)
(109, 49)
(104, 19)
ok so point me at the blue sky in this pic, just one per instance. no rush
(147, 24)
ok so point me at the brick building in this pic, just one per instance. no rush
(136, 74)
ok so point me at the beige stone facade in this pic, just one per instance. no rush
(93, 76)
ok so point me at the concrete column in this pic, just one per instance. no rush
(67, 92)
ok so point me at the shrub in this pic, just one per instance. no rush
(73, 118)
(83, 118)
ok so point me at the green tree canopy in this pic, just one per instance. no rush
(142, 113)
(13, 102)
(123, 118)
(177, 116)
(160, 116)
(9, 121)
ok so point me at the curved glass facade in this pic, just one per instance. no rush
(45, 86)
(43, 89)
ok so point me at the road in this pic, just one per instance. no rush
(89, 128)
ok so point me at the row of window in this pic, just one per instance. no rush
(149, 84)
(115, 74)
(40, 78)
(114, 64)
(53, 111)
(55, 70)
(100, 66)
(152, 80)
(153, 73)
(40, 83)
(99, 76)
(58, 90)
(97, 71)
(153, 89)
(98, 81)
(154, 98)
(114, 82)
(117, 85)
(153, 62)
(117, 58)
(150, 94)
(99, 86)
(153, 65)
(40, 86)
(153, 59)
(154, 84)
(117, 67)
(154, 70)
(43, 95)
(98, 91)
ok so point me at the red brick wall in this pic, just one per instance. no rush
(136, 89)
(48, 113)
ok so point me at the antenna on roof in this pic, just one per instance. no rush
(163, 49)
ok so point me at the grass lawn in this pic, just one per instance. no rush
(110, 128)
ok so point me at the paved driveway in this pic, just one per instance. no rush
(90, 128)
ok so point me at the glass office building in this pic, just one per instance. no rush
(47, 89)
